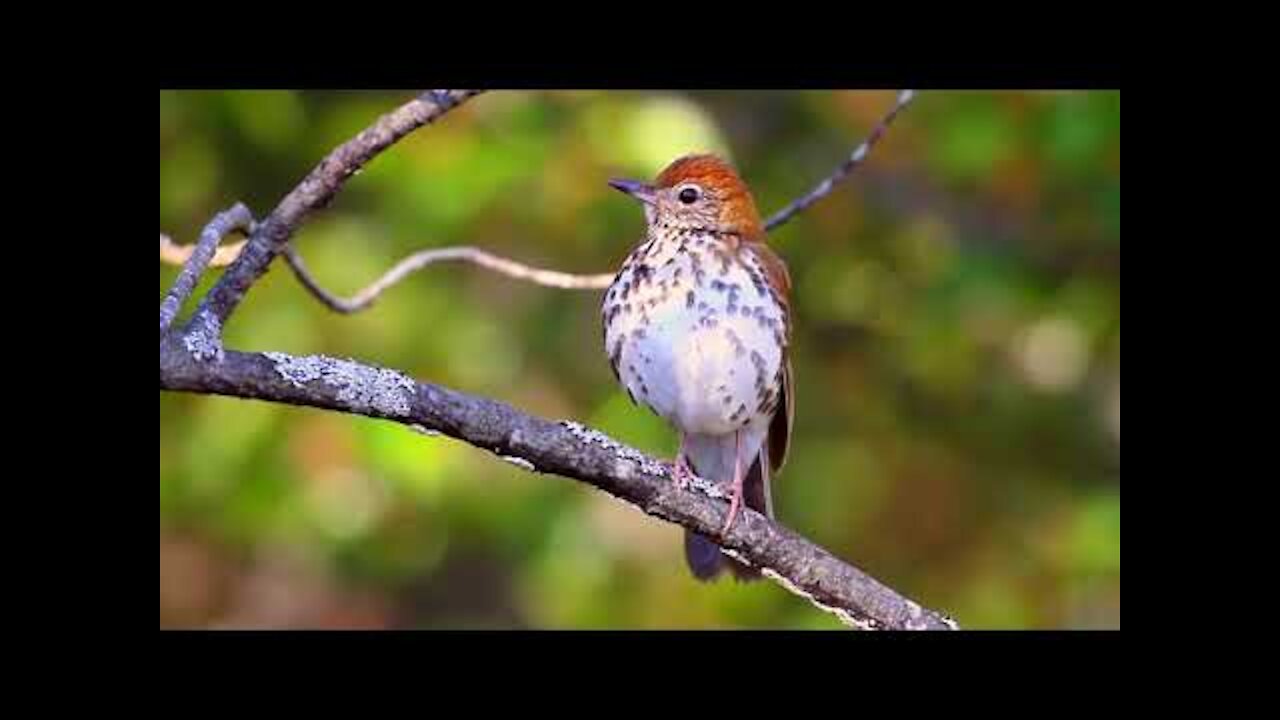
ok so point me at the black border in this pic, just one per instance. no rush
(845, 54)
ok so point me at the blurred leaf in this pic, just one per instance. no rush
(977, 138)
(1095, 536)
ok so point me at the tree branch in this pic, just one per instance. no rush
(315, 191)
(423, 258)
(237, 217)
(560, 448)
(825, 187)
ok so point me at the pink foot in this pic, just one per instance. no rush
(738, 478)
(680, 472)
(734, 505)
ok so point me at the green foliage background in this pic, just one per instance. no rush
(957, 358)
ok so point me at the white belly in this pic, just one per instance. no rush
(696, 343)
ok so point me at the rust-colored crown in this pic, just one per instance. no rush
(737, 207)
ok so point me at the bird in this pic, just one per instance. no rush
(697, 328)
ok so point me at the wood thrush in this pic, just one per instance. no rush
(697, 325)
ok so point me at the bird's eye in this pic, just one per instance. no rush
(689, 195)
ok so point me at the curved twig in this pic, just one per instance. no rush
(235, 218)
(423, 258)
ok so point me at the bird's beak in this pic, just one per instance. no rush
(638, 190)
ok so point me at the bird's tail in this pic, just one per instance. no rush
(706, 562)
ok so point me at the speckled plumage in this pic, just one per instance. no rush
(696, 328)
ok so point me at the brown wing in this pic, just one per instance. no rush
(779, 280)
(780, 427)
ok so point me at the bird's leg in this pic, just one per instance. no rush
(680, 470)
(738, 478)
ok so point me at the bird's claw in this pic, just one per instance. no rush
(734, 505)
(681, 474)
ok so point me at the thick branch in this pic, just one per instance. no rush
(560, 448)
(825, 187)
(319, 187)
(237, 217)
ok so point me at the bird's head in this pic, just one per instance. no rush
(698, 191)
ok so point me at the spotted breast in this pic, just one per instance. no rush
(694, 333)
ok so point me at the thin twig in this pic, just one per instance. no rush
(562, 448)
(237, 217)
(177, 254)
(172, 253)
(315, 191)
(421, 259)
(825, 187)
